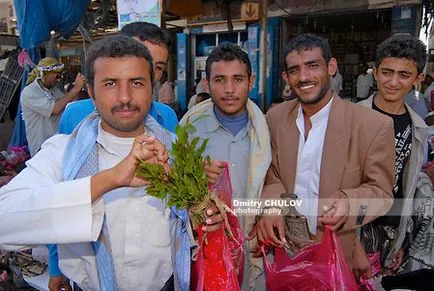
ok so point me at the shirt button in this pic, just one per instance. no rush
(233, 165)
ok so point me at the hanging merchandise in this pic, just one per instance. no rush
(36, 19)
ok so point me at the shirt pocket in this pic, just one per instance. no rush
(157, 231)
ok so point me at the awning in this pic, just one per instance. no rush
(185, 8)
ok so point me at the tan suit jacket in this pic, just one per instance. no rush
(358, 159)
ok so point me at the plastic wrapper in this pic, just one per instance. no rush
(320, 266)
(13, 157)
(220, 261)
(368, 284)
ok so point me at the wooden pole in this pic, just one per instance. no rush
(163, 13)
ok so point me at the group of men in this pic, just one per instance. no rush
(349, 164)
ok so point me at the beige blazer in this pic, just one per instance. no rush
(358, 159)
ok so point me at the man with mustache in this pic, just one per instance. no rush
(81, 192)
(157, 41)
(336, 156)
(238, 134)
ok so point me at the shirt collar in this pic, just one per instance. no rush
(212, 124)
(320, 116)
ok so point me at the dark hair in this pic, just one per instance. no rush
(147, 32)
(402, 46)
(307, 42)
(227, 52)
(116, 46)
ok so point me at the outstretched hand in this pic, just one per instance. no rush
(145, 148)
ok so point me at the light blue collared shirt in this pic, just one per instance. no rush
(224, 146)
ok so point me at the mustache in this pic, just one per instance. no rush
(304, 83)
(127, 106)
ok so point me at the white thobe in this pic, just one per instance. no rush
(41, 209)
(309, 163)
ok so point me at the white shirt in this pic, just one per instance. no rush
(309, 163)
(364, 83)
(336, 83)
(43, 209)
(37, 104)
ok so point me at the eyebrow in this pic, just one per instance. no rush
(312, 62)
(236, 75)
(390, 70)
(305, 63)
(116, 79)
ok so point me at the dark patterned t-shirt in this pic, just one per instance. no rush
(402, 125)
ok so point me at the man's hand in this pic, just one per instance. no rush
(265, 229)
(397, 261)
(59, 283)
(335, 212)
(361, 265)
(214, 171)
(145, 148)
(214, 220)
(79, 82)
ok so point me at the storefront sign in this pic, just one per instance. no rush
(250, 11)
(223, 27)
(135, 10)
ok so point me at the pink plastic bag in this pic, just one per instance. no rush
(220, 262)
(368, 284)
(13, 157)
(317, 267)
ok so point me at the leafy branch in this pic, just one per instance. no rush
(186, 184)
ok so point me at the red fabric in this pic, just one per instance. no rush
(220, 261)
(318, 267)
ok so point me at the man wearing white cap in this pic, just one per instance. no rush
(42, 102)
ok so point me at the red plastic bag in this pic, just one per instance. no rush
(317, 267)
(220, 261)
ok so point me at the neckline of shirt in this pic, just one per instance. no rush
(108, 140)
(320, 116)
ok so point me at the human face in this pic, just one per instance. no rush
(229, 86)
(395, 78)
(159, 56)
(308, 75)
(122, 93)
(50, 79)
